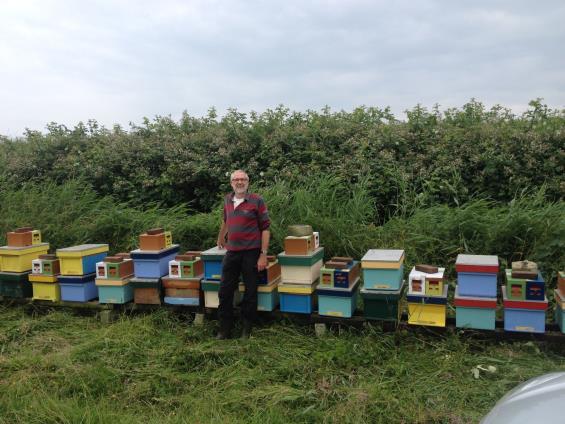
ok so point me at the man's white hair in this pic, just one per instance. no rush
(236, 171)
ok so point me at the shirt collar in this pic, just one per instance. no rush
(245, 198)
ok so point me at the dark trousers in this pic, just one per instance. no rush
(238, 263)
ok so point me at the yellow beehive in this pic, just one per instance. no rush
(426, 314)
(18, 259)
(45, 287)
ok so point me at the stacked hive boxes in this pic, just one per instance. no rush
(560, 301)
(150, 263)
(524, 298)
(267, 287)
(112, 278)
(23, 246)
(427, 296)
(382, 284)
(212, 259)
(78, 271)
(338, 287)
(44, 278)
(475, 294)
(182, 286)
(300, 263)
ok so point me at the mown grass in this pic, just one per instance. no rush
(160, 368)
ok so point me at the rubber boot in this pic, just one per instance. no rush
(224, 332)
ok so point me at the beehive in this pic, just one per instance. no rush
(382, 305)
(477, 275)
(339, 272)
(297, 298)
(337, 301)
(267, 295)
(153, 264)
(301, 269)
(475, 312)
(81, 259)
(81, 288)
(524, 315)
(427, 310)
(19, 259)
(15, 284)
(212, 259)
(382, 269)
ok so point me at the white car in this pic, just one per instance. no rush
(539, 400)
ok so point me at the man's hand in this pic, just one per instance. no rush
(262, 262)
(221, 243)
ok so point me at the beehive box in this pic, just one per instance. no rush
(383, 279)
(338, 302)
(186, 301)
(25, 236)
(181, 267)
(427, 310)
(146, 291)
(211, 289)
(153, 264)
(481, 264)
(271, 273)
(118, 295)
(15, 284)
(475, 312)
(81, 259)
(524, 289)
(213, 263)
(382, 259)
(303, 245)
(342, 277)
(80, 288)
(267, 295)
(47, 265)
(382, 305)
(19, 259)
(297, 298)
(114, 268)
(423, 283)
(45, 287)
(155, 239)
(527, 316)
(183, 283)
(301, 269)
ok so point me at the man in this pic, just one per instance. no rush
(246, 224)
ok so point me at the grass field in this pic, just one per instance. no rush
(158, 367)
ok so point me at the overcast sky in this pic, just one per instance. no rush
(118, 61)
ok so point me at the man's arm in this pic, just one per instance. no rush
(262, 261)
(222, 235)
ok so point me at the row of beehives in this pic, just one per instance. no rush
(297, 281)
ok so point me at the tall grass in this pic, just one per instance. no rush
(528, 227)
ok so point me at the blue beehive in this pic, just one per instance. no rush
(115, 294)
(212, 259)
(153, 263)
(189, 301)
(474, 312)
(383, 269)
(526, 316)
(78, 288)
(338, 302)
(474, 284)
(297, 298)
